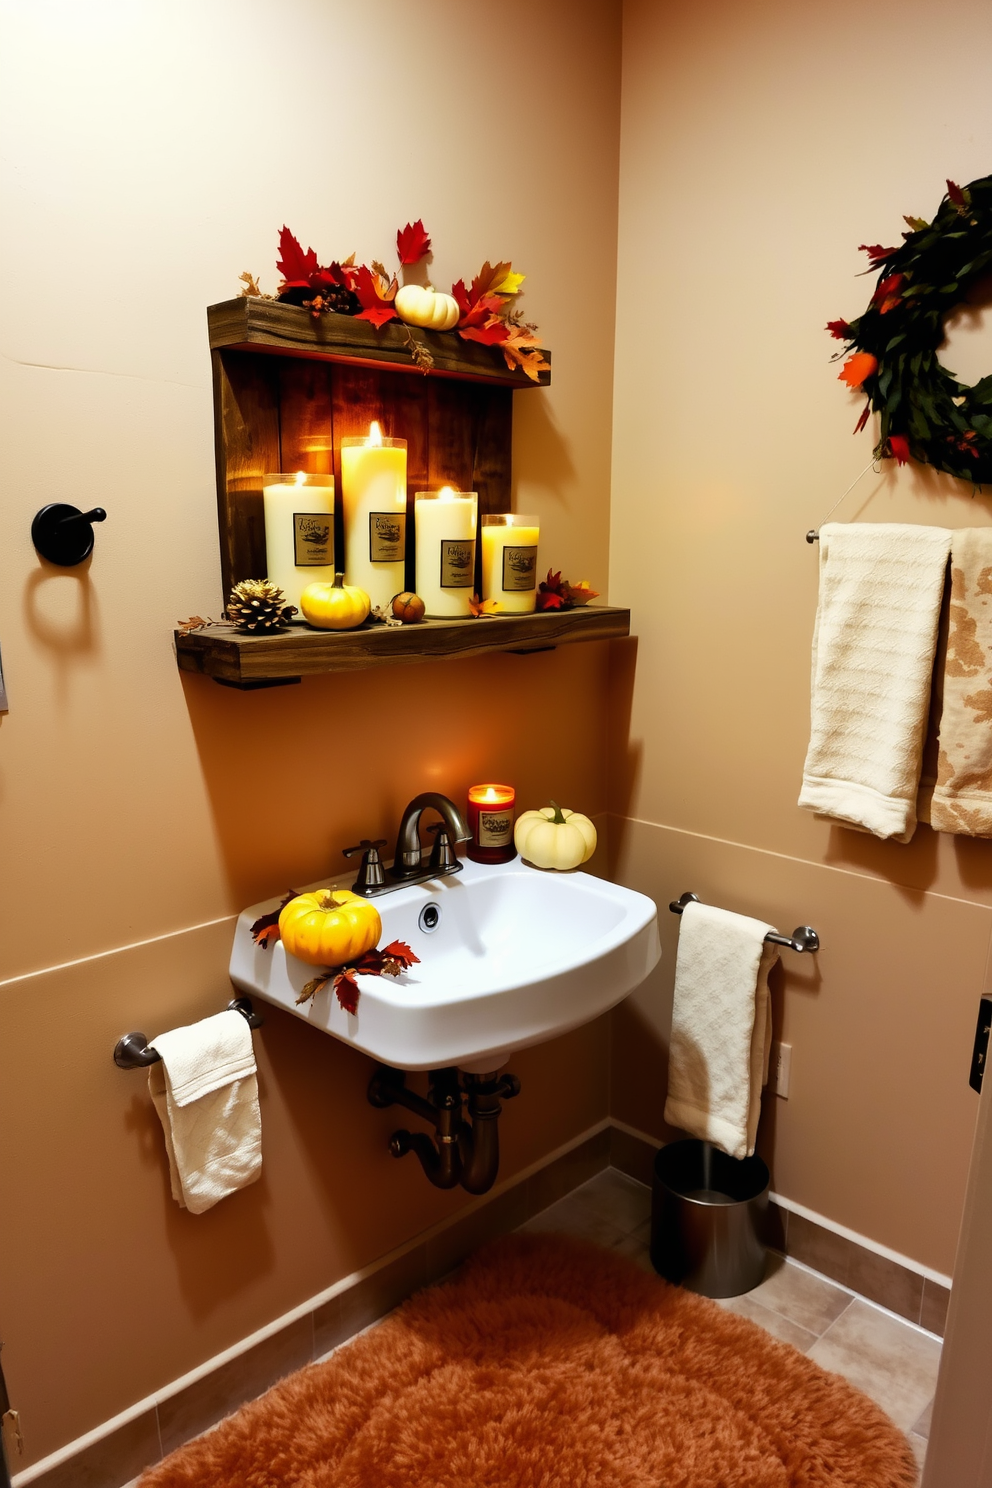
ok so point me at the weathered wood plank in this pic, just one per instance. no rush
(223, 654)
(267, 326)
(246, 435)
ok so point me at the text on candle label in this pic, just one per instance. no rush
(387, 537)
(519, 568)
(457, 564)
(313, 539)
(495, 828)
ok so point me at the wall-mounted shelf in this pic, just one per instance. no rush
(251, 324)
(249, 661)
(288, 388)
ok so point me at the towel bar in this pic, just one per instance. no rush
(803, 938)
(132, 1051)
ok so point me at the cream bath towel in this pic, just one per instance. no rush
(873, 650)
(962, 799)
(721, 1027)
(206, 1094)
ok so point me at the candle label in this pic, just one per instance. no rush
(457, 564)
(519, 568)
(495, 828)
(313, 539)
(387, 537)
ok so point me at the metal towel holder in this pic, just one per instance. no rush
(803, 938)
(132, 1051)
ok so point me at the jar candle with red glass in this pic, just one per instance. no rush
(490, 820)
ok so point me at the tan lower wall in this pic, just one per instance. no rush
(109, 1290)
(876, 1134)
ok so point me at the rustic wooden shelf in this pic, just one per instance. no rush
(251, 324)
(248, 661)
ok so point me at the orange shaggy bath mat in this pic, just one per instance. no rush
(551, 1363)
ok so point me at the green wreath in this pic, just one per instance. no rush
(891, 350)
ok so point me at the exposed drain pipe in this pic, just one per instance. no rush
(460, 1152)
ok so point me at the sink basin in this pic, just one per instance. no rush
(516, 956)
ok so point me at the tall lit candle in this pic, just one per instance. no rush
(373, 495)
(490, 820)
(509, 561)
(299, 531)
(446, 523)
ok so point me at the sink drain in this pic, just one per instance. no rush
(430, 918)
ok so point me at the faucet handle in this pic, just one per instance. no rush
(443, 858)
(364, 846)
(371, 875)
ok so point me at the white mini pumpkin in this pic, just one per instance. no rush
(554, 838)
(425, 307)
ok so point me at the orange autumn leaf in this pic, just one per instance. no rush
(857, 368)
(484, 606)
(517, 352)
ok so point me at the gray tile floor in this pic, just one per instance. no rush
(889, 1359)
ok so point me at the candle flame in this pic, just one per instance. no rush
(301, 477)
(375, 433)
(446, 493)
(492, 794)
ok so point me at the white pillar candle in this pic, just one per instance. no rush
(373, 495)
(299, 531)
(509, 561)
(446, 522)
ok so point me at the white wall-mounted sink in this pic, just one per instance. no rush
(517, 956)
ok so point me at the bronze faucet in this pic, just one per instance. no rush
(408, 862)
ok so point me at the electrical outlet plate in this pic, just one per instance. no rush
(780, 1070)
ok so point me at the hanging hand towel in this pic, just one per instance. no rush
(962, 799)
(873, 650)
(206, 1094)
(721, 1027)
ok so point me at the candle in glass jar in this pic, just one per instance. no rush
(299, 531)
(490, 820)
(373, 495)
(509, 561)
(446, 523)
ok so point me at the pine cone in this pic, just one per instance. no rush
(257, 606)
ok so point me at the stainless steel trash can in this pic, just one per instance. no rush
(708, 1219)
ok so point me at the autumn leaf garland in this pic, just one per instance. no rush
(487, 310)
(891, 350)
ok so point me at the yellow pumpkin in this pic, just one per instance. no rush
(426, 308)
(329, 927)
(337, 606)
(554, 838)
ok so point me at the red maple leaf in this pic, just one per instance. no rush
(899, 448)
(296, 267)
(266, 927)
(490, 334)
(864, 417)
(551, 593)
(375, 297)
(346, 990)
(888, 292)
(398, 950)
(839, 329)
(876, 253)
(413, 242)
(959, 196)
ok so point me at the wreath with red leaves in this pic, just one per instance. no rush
(891, 349)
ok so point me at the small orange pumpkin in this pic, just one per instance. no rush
(408, 607)
(329, 927)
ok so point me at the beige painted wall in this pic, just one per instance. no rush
(152, 152)
(760, 145)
